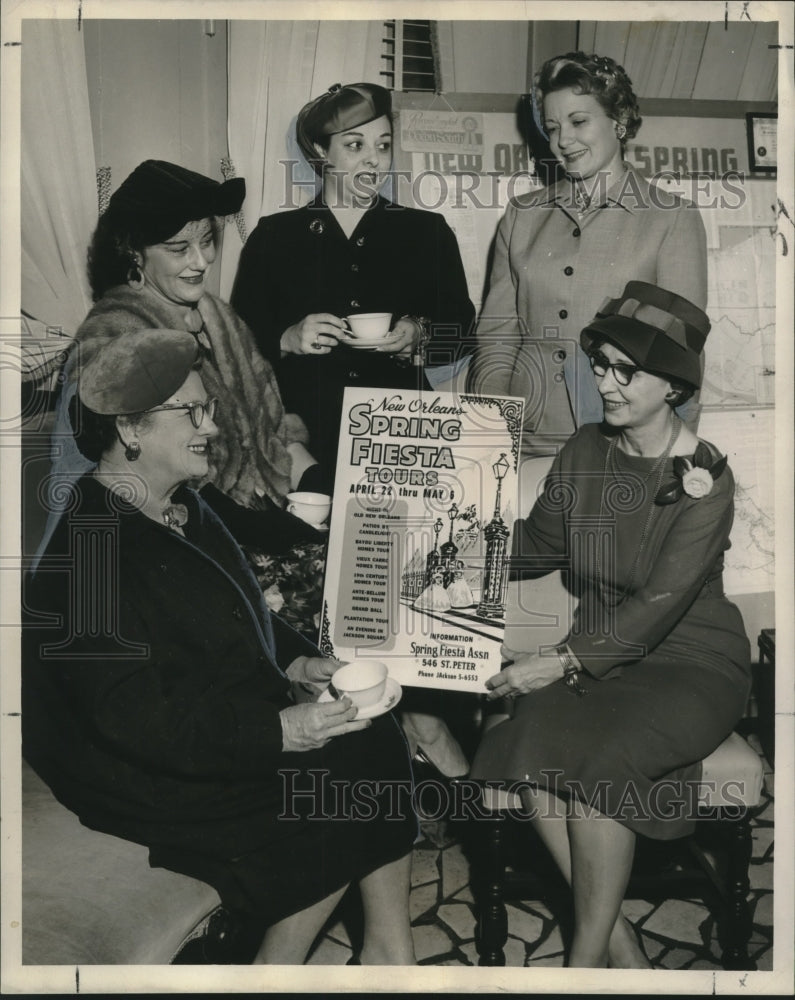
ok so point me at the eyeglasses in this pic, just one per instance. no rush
(622, 372)
(196, 410)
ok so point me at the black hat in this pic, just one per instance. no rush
(159, 198)
(661, 331)
(342, 107)
(137, 371)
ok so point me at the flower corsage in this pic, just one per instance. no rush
(695, 476)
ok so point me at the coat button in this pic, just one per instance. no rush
(576, 232)
(355, 303)
(564, 313)
(559, 356)
(360, 242)
(353, 375)
(237, 613)
(354, 267)
(559, 377)
(568, 270)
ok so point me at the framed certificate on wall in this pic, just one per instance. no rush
(762, 132)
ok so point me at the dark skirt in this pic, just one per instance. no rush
(632, 747)
(344, 811)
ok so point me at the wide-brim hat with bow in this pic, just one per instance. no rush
(160, 198)
(661, 331)
(342, 107)
(137, 371)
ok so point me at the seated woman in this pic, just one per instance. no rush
(638, 511)
(186, 717)
(149, 263)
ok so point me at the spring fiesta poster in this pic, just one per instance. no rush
(424, 501)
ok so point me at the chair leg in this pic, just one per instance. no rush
(492, 915)
(738, 917)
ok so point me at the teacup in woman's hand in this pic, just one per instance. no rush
(310, 507)
(363, 681)
(370, 327)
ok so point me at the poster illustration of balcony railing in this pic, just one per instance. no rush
(424, 500)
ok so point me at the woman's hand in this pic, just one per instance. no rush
(402, 338)
(310, 676)
(310, 726)
(528, 672)
(315, 334)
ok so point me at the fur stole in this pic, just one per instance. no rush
(249, 456)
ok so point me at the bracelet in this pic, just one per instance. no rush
(571, 669)
(424, 325)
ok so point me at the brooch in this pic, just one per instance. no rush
(695, 476)
(316, 226)
(175, 515)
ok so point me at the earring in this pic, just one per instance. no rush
(132, 451)
(621, 132)
(135, 278)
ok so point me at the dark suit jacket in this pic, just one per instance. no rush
(398, 260)
(152, 678)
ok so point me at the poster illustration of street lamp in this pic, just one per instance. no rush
(424, 499)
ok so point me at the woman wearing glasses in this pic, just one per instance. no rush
(149, 266)
(654, 672)
(165, 705)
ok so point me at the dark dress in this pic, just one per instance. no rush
(152, 686)
(398, 260)
(666, 669)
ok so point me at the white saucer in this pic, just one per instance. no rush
(364, 345)
(393, 692)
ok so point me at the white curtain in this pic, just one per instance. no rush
(58, 191)
(274, 68)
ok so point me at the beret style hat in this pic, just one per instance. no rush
(159, 198)
(137, 371)
(342, 107)
(661, 331)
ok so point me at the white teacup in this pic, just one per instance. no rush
(369, 326)
(363, 681)
(310, 507)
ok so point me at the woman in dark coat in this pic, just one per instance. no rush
(350, 251)
(610, 728)
(165, 705)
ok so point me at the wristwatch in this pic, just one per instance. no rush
(572, 668)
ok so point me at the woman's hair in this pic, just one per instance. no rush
(341, 108)
(324, 141)
(96, 433)
(597, 75)
(114, 244)
(683, 391)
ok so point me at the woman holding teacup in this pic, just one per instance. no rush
(306, 275)
(149, 264)
(164, 704)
